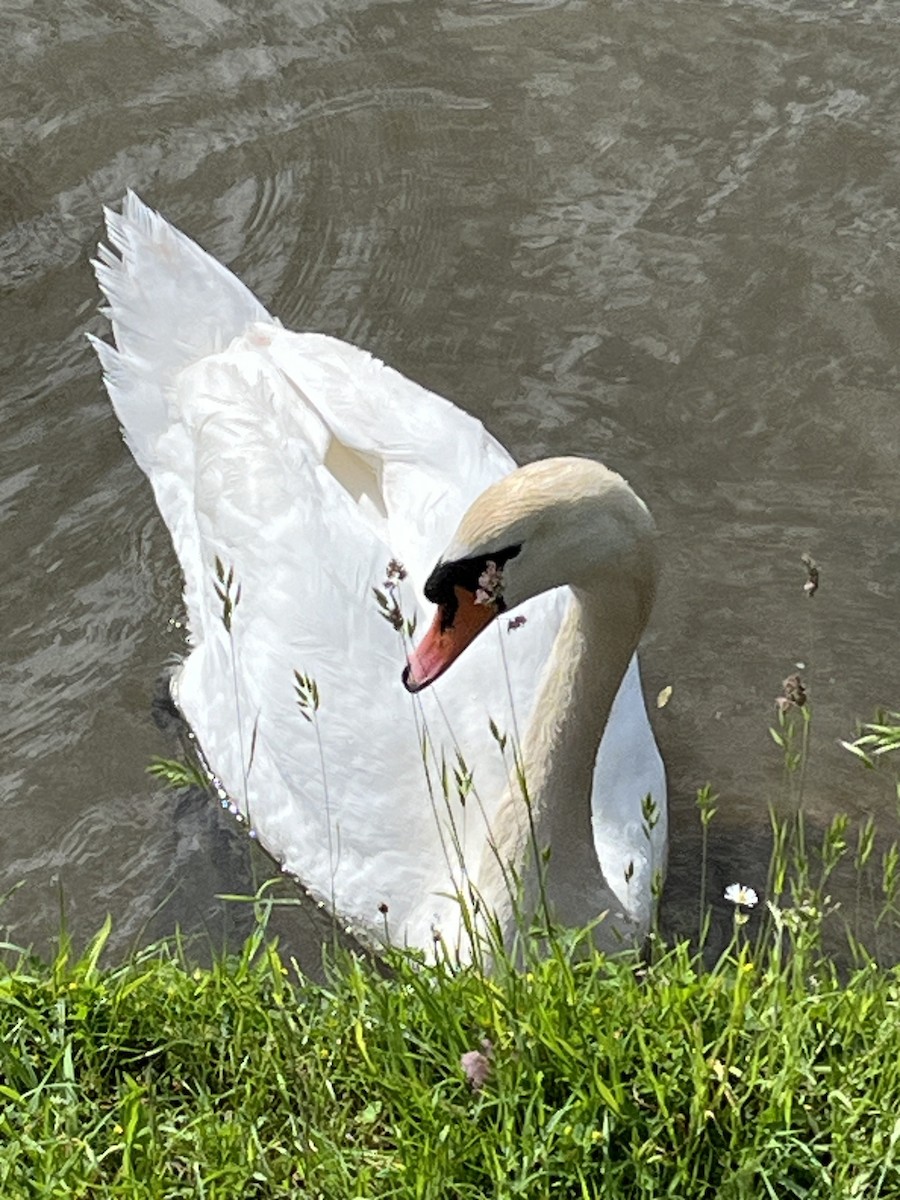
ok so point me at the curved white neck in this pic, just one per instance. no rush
(592, 650)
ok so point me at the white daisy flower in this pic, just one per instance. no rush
(738, 893)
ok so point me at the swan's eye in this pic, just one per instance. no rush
(482, 576)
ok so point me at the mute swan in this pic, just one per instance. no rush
(303, 465)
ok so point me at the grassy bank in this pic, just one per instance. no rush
(766, 1073)
(763, 1076)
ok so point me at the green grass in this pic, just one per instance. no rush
(765, 1076)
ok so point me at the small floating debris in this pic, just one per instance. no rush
(812, 575)
(793, 694)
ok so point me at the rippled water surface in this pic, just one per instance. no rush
(662, 233)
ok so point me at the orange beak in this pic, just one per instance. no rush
(441, 646)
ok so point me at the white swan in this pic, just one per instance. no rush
(304, 465)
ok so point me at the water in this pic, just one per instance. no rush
(661, 233)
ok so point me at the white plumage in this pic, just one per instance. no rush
(304, 465)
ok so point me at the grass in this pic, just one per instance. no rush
(765, 1075)
(606, 1079)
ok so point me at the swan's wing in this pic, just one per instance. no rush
(426, 459)
(308, 523)
(303, 465)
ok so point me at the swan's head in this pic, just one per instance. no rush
(554, 522)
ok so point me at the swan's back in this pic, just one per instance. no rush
(304, 465)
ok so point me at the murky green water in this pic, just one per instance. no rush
(662, 233)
